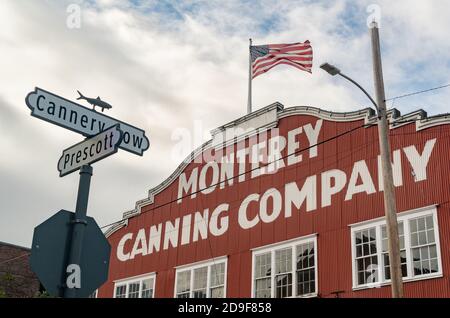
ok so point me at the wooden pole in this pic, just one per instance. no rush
(386, 164)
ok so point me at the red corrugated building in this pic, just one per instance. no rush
(289, 203)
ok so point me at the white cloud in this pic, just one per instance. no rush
(164, 65)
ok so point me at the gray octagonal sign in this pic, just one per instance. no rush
(50, 250)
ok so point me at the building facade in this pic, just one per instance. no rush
(16, 278)
(289, 203)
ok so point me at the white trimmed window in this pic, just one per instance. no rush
(142, 286)
(419, 248)
(202, 280)
(287, 269)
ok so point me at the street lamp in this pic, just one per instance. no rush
(386, 166)
(333, 70)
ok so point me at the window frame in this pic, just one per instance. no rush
(131, 280)
(292, 243)
(206, 263)
(377, 223)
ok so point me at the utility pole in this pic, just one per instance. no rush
(386, 164)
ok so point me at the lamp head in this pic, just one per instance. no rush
(330, 69)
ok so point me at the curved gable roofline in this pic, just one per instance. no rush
(268, 117)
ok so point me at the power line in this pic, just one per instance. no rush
(418, 92)
(14, 258)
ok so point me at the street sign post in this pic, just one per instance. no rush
(49, 254)
(70, 115)
(70, 254)
(90, 150)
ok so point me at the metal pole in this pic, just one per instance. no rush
(79, 223)
(386, 164)
(250, 74)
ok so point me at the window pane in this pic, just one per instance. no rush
(283, 267)
(207, 281)
(217, 274)
(434, 266)
(414, 239)
(147, 284)
(201, 293)
(183, 283)
(200, 282)
(384, 246)
(422, 238)
(283, 260)
(358, 237)
(147, 288)
(358, 251)
(360, 264)
(305, 282)
(372, 234)
(424, 253)
(305, 270)
(423, 245)
(373, 248)
(262, 265)
(217, 292)
(121, 291)
(404, 263)
(305, 256)
(262, 288)
(200, 278)
(430, 236)
(283, 285)
(429, 222)
(421, 224)
(133, 290)
(366, 249)
(367, 262)
(147, 293)
(433, 253)
(365, 238)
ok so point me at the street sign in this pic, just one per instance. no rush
(90, 150)
(50, 249)
(67, 114)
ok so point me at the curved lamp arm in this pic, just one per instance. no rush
(360, 87)
(333, 70)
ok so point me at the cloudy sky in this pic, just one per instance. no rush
(166, 65)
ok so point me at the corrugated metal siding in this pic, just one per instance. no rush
(331, 223)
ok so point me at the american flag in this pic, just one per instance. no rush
(266, 57)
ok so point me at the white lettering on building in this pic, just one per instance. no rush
(302, 196)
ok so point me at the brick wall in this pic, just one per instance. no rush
(16, 278)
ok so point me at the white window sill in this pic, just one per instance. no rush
(303, 296)
(405, 280)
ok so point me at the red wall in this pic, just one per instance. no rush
(330, 223)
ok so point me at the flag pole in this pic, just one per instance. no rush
(249, 103)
